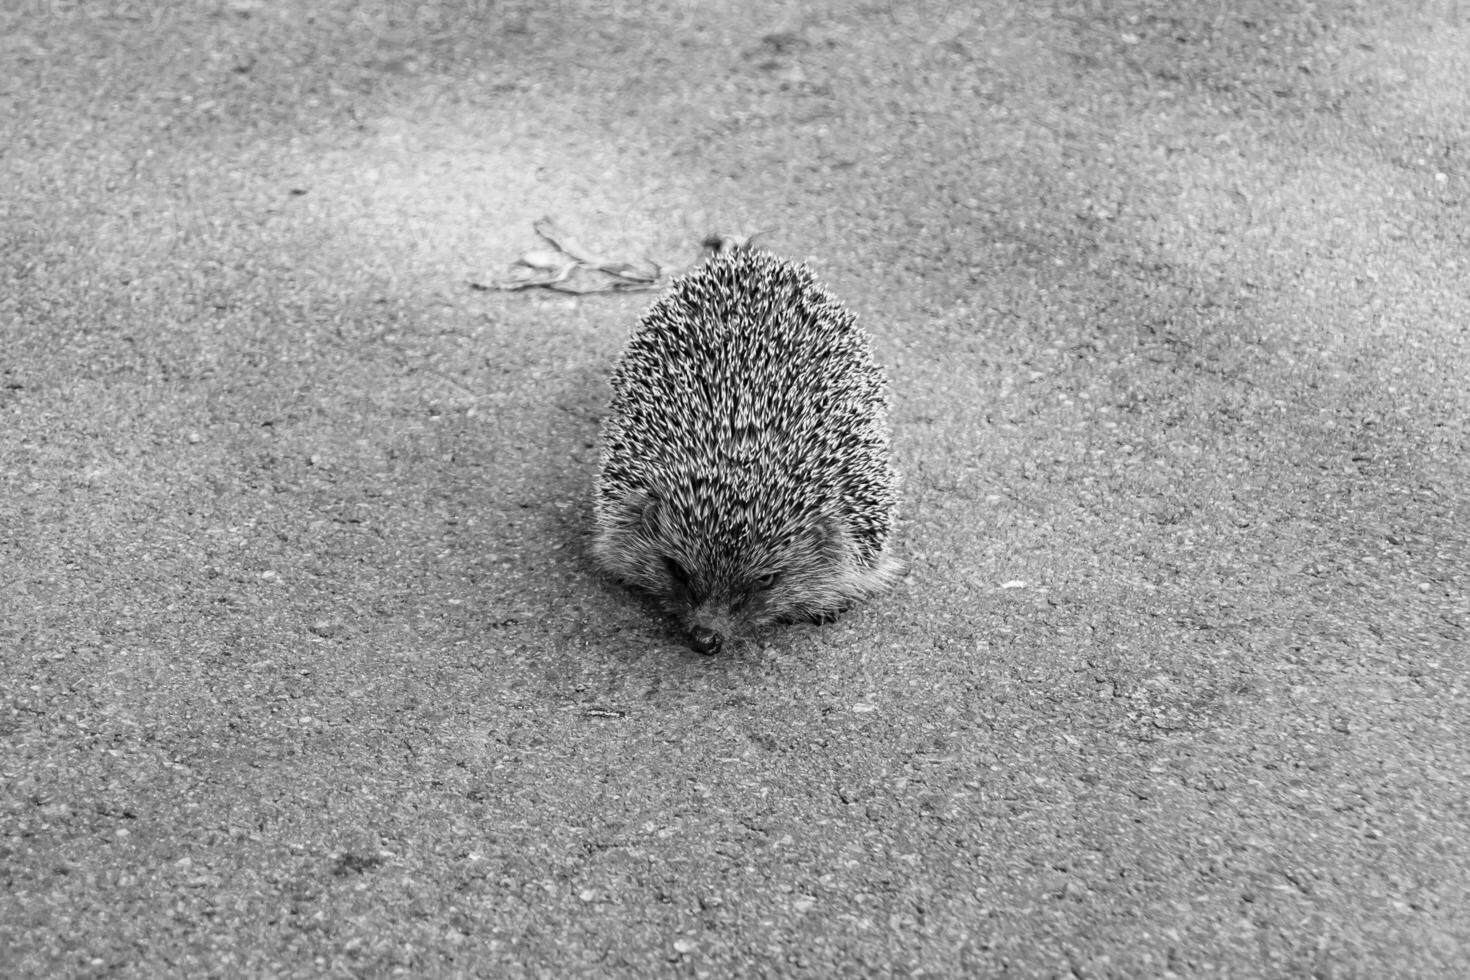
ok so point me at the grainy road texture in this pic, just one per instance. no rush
(305, 671)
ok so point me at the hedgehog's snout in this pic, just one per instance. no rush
(706, 641)
(711, 625)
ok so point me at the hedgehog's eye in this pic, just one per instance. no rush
(676, 572)
(682, 580)
(758, 585)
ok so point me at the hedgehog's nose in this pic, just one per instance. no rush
(705, 640)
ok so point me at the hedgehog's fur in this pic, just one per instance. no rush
(745, 474)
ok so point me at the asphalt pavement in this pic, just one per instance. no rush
(305, 668)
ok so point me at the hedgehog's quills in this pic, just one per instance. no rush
(745, 474)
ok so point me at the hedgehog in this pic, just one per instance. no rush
(745, 475)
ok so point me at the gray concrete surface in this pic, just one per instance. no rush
(305, 669)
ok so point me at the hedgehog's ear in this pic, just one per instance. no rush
(651, 515)
(828, 537)
(635, 511)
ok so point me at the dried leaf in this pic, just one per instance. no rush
(553, 233)
(569, 267)
(545, 258)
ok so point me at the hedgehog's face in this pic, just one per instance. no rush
(714, 607)
(723, 586)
